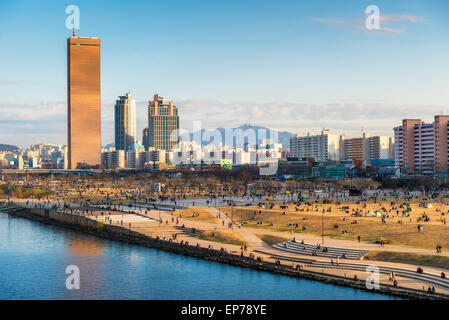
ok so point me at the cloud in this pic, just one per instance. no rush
(391, 18)
(389, 23)
(4, 82)
(46, 122)
(377, 118)
(32, 111)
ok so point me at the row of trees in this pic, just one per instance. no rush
(20, 192)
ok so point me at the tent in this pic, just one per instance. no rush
(377, 214)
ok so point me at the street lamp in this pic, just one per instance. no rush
(9, 192)
(241, 215)
(322, 226)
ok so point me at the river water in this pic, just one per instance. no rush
(34, 258)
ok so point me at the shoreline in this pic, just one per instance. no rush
(117, 233)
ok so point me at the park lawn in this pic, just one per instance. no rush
(369, 228)
(270, 239)
(223, 236)
(204, 215)
(428, 260)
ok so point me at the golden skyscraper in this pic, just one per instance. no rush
(84, 102)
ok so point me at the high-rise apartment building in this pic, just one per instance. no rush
(163, 120)
(353, 149)
(84, 102)
(422, 147)
(323, 147)
(125, 123)
(366, 148)
(113, 159)
(441, 128)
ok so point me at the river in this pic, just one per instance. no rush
(34, 257)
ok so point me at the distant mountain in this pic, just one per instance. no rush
(8, 148)
(283, 136)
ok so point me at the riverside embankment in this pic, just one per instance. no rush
(86, 225)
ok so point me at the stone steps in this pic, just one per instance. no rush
(332, 252)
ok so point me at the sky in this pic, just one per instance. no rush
(297, 65)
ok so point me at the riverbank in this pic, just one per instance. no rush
(119, 233)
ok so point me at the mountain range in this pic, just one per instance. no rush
(283, 136)
(7, 148)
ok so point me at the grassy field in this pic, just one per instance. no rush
(270, 239)
(369, 228)
(198, 214)
(223, 236)
(410, 258)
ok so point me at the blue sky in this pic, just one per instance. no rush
(288, 65)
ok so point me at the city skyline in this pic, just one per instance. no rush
(282, 151)
(314, 68)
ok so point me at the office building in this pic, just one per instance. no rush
(125, 123)
(84, 102)
(146, 138)
(163, 121)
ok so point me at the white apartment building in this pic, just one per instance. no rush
(267, 151)
(398, 147)
(323, 147)
(114, 159)
(424, 148)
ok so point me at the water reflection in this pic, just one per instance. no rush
(81, 245)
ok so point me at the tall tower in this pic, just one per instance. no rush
(125, 123)
(163, 119)
(84, 102)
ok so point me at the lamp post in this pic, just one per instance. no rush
(322, 226)
(241, 215)
(9, 192)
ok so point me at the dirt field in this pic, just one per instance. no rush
(343, 224)
(223, 237)
(409, 258)
(270, 239)
(198, 214)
